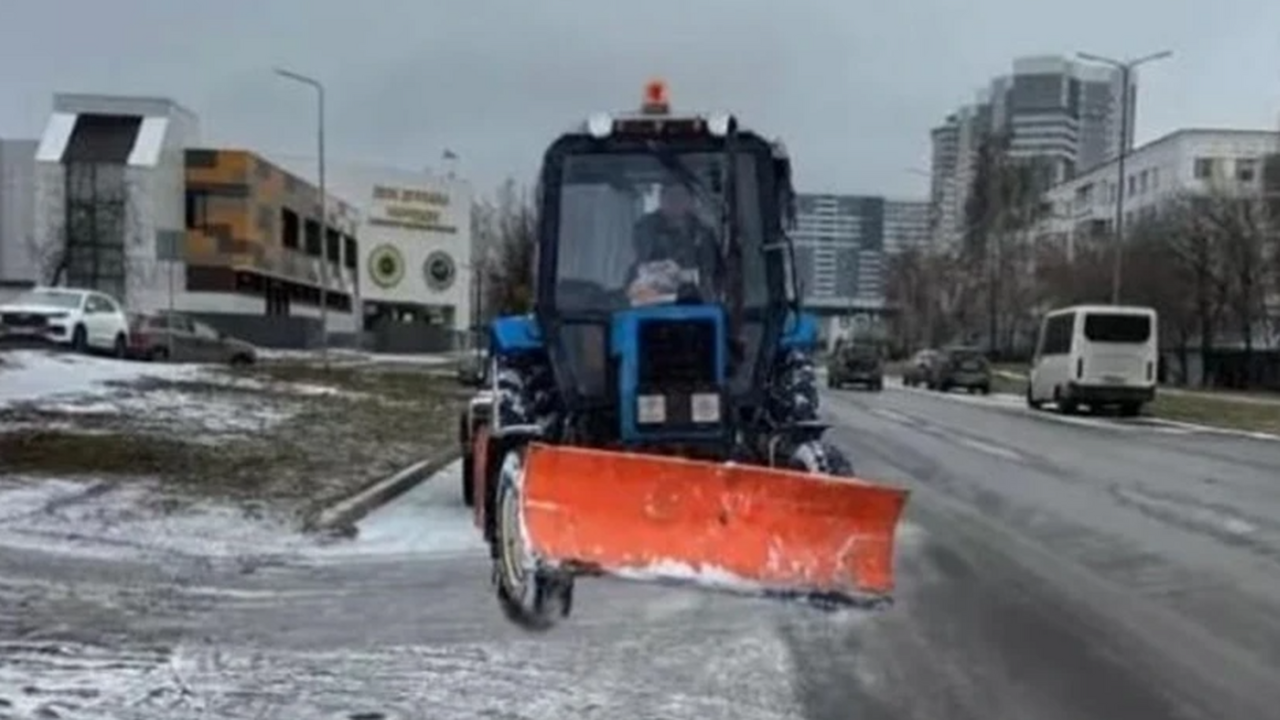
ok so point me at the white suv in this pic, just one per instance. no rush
(81, 319)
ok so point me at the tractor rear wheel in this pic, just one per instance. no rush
(531, 597)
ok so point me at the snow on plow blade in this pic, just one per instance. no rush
(741, 528)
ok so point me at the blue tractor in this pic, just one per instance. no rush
(657, 426)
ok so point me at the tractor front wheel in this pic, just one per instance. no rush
(821, 458)
(530, 596)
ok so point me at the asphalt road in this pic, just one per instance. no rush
(1048, 569)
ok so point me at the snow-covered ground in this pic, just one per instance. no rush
(56, 391)
(110, 521)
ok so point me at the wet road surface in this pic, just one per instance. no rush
(1049, 568)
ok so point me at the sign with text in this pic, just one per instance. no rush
(411, 208)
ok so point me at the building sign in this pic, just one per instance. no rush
(386, 266)
(439, 271)
(411, 208)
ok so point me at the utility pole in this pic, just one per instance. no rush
(318, 87)
(1126, 68)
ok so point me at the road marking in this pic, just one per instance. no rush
(1018, 404)
(988, 448)
(894, 416)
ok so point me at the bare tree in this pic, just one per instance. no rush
(512, 221)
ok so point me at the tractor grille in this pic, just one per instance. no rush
(677, 354)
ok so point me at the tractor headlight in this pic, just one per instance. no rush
(651, 409)
(600, 125)
(705, 407)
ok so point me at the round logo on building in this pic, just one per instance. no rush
(439, 270)
(386, 266)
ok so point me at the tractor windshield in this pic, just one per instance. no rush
(630, 219)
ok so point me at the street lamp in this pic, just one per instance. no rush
(324, 207)
(1126, 68)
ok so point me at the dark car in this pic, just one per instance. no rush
(918, 368)
(175, 337)
(961, 367)
(856, 363)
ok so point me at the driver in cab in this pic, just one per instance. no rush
(676, 252)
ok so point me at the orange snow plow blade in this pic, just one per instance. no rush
(735, 527)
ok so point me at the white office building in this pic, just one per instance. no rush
(415, 240)
(1190, 160)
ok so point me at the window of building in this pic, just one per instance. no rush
(1143, 181)
(1246, 169)
(333, 245)
(313, 238)
(349, 252)
(1203, 168)
(197, 209)
(289, 228)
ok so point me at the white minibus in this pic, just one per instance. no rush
(1095, 355)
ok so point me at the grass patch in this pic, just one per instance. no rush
(368, 422)
(1218, 412)
(1008, 385)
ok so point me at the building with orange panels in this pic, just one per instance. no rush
(254, 243)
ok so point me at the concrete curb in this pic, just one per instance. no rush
(342, 516)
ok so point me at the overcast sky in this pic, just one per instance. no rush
(853, 86)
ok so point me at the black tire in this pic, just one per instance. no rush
(120, 346)
(240, 360)
(984, 389)
(1130, 409)
(158, 354)
(877, 386)
(468, 462)
(820, 458)
(1065, 407)
(531, 597)
(80, 339)
(468, 486)
(1031, 401)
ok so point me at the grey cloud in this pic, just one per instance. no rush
(852, 87)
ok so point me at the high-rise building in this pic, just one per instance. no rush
(1061, 115)
(906, 226)
(840, 245)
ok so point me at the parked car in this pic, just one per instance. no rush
(961, 367)
(173, 336)
(474, 359)
(856, 363)
(919, 368)
(80, 319)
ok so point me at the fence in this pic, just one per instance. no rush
(301, 333)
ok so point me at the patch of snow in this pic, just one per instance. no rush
(103, 520)
(32, 375)
(115, 521)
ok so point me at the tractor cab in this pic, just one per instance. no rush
(662, 287)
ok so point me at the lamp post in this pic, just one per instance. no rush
(1126, 68)
(324, 206)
